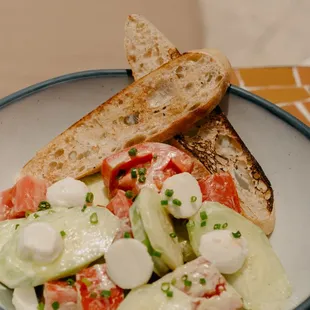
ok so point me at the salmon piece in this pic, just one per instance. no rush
(220, 188)
(23, 197)
(96, 291)
(62, 293)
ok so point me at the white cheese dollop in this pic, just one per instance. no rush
(223, 250)
(129, 264)
(40, 243)
(67, 192)
(186, 190)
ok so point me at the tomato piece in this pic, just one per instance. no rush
(61, 292)
(96, 291)
(23, 197)
(220, 188)
(160, 160)
(120, 205)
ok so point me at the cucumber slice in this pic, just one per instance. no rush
(262, 281)
(158, 227)
(84, 243)
(160, 268)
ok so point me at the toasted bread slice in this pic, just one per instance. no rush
(213, 140)
(166, 101)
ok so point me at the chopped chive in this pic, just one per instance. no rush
(27, 213)
(84, 208)
(142, 179)
(40, 306)
(203, 215)
(16, 226)
(193, 198)
(35, 215)
(70, 282)
(169, 294)
(142, 171)
(127, 235)
(177, 202)
(174, 281)
(172, 235)
(133, 152)
(133, 173)
(224, 225)
(63, 233)
(164, 202)
(156, 253)
(169, 192)
(89, 197)
(55, 305)
(86, 282)
(93, 295)
(44, 205)
(184, 277)
(165, 287)
(237, 234)
(155, 156)
(129, 194)
(202, 281)
(188, 283)
(217, 226)
(203, 224)
(105, 293)
(94, 218)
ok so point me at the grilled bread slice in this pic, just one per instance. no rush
(154, 108)
(213, 140)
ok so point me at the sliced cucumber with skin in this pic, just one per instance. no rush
(84, 242)
(262, 281)
(160, 268)
(158, 227)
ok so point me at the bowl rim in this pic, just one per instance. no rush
(233, 89)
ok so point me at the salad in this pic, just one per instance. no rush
(142, 234)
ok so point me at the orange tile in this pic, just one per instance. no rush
(295, 112)
(267, 76)
(283, 94)
(233, 79)
(307, 105)
(304, 73)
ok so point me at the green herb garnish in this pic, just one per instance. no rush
(63, 233)
(35, 215)
(177, 202)
(193, 198)
(217, 226)
(134, 173)
(203, 215)
(129, 194)
(156, 253)
(94, 218)
(169, 192)
(237, 234)
(173, 235)
(169, 294)
(44, 205)
(133, 152)
(165, 287)
(187, 283)
(70, 282)
(202, 281)
(127, 235)
(203, 224)
(105, 293)
(142, 179)
(84, 208)
(224, 225)
(89, 197)
(164, 202)
(142, 171)
(55, 305)
(16, 226)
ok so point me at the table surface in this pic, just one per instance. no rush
(287, 87)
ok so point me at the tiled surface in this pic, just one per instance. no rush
(288, 87)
